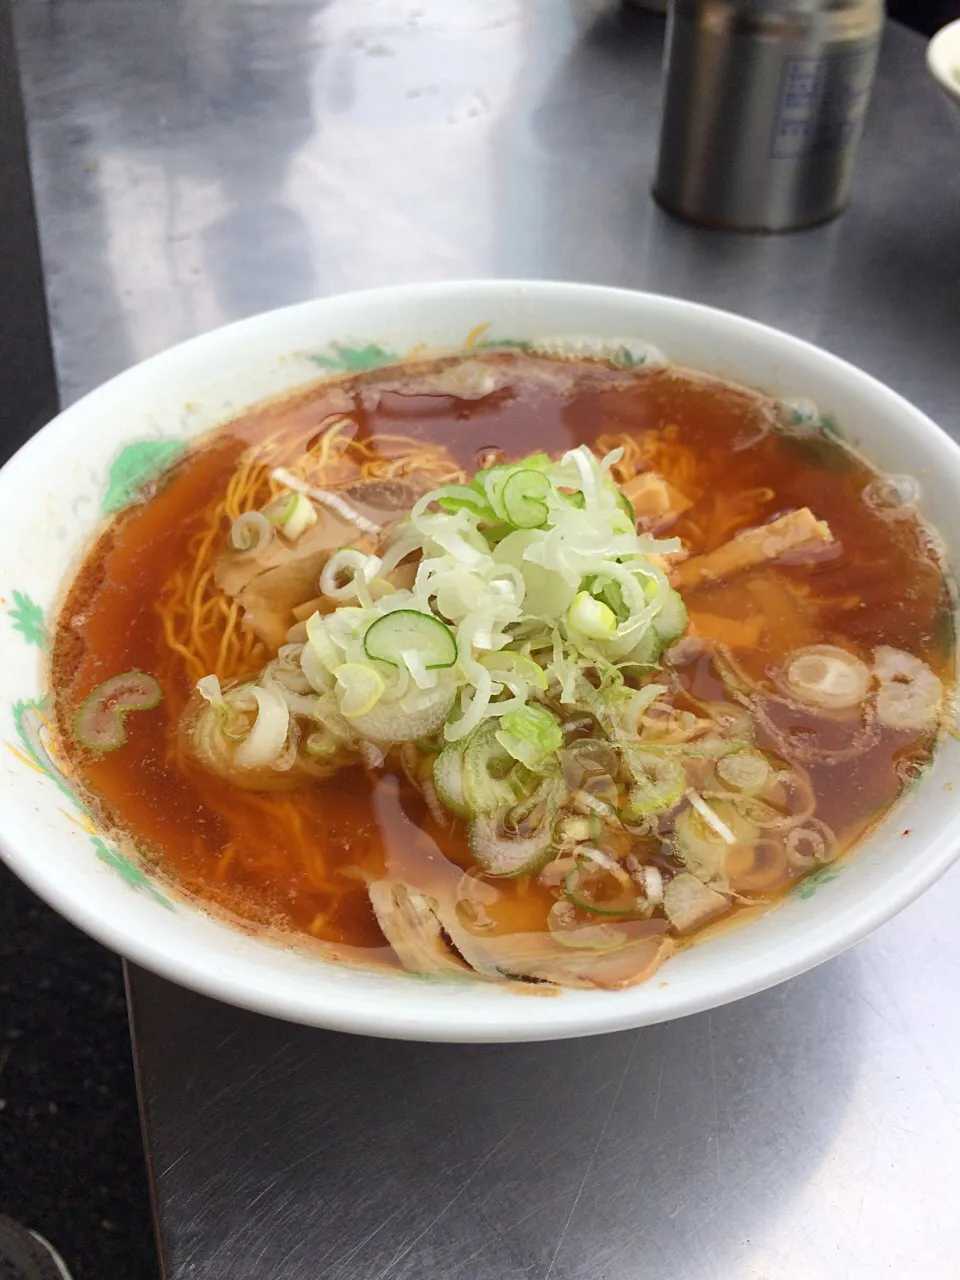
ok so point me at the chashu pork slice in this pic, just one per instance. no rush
(270, 584)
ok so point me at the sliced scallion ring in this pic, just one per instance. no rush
(626, 506)
(567, 929)
(489, 780)
(359, 688)
(518, 664)
(531, 735)
(454, 497)
(747, 770)
(322, 745)
(250, 532)
(658, 783)
(269, 733)
(523, 497)
(823, 675)
(292, 513)
(322, 650)
(516, 850)
(602, 887)
(386, 639)
(591, 618)
(99, 723)
(448, 780)
(671, 622)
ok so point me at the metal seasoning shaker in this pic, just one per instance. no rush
(763, 107)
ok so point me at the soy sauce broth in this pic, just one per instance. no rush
(298, 860)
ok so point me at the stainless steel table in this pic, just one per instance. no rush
(196, 161)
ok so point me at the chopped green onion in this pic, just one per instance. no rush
(448, 780)
(389, 636)
(489, 772)
(646, 652)
(909, 694)
(489, 483)
(521, 849)
(535, 462)
(575, 830)
(292, 513)
(531, 735)
(824, 675)
(591, 617)
(711, 818)
(658, 783)
(566, 928)
(417, 714)
(454, 497)
(349, 563)
(586, 758)
(322, 745)
(703, 842)
(746, 770)
(250, 532)
(322, 643)
(671, 622)
(99, 724)
(532, 557)
(599, 884)
(268, 735)
(547, 594)
(597, 796)
(611, 593)
(359, 688)
(626, 506)
(523, 496)
(518, 664)
(493, 481)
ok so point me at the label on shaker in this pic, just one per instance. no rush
(821, 103)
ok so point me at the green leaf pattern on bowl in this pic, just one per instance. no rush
(30, 722)
(509, 344)
(808, 887)
(129, 871)
(136, 466)
(340, 358)
(28, 620)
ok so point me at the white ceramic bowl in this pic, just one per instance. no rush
(53, 495)
(943, 59)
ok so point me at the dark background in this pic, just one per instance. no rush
(927, 16)
(71, 1159)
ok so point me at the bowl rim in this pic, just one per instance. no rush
(943, 58)
(338, 1009)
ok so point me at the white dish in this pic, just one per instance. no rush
(943, 59)
(53, 495)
